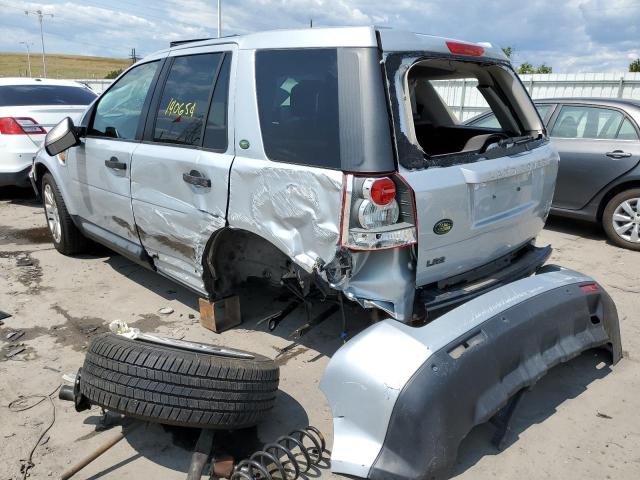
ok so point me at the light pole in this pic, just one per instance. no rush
(219, 18)
(28, 55)
(40, 17)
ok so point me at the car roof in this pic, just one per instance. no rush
(332, 37)
(39, 81)
(620, 102)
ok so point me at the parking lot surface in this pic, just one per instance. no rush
(580, 421)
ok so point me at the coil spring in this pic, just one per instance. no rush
(256, 466)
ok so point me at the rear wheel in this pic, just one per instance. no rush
(66, 237)
(621, 219)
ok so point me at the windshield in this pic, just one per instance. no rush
(26, 95)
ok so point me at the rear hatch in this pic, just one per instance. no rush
(480, 192)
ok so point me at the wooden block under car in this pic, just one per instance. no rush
(220, 315)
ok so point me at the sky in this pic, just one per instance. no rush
(569, 35)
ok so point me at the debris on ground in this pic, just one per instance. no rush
(4, 315)
(15, 351)
(14, 335)
(603, 415)
(24, 262)
(166, 311)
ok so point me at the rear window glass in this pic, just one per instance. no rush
(185, 99)
(298, 105)
(23, 95)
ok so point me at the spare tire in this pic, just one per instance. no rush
(178, 386)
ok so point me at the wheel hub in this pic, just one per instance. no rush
(626, 220)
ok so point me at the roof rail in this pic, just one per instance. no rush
(175, 43)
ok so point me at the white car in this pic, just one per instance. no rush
(29, 107)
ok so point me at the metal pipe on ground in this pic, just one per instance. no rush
(70, 472)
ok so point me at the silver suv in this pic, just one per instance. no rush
(333, 157)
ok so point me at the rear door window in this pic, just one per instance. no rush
(185, 99)
(27, 95)
(297, 94)
(577, 121)
(215, 135)
(627, 131)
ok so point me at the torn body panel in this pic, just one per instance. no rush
(404, 398)
(296, 208)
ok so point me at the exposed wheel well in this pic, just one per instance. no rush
(41, 170)
(613, 192)
(234, 257)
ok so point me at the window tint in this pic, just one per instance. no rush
(586, 122)
(543, 109)
(22, 95)
(627, 132)
(215, 135)
(490, 121)
(185, 99)
(298, 105)
(118, 111)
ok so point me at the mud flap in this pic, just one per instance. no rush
(404, 398)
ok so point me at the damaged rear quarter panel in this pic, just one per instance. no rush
(296, 208)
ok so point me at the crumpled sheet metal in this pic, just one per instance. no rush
(385, 280)
(177, 240)
(296, 208)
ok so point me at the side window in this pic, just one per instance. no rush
(215, 135)
(543, 109)
(627, 131)
(298, 105)
(586, 122)
(118, 110)
(490, 121)
(185, 99)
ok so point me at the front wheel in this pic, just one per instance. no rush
(66, 237)
(621, 219)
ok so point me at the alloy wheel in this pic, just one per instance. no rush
(626, 220)
(51, 211)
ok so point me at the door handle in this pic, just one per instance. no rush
(194, 177)
(115, 164)
(618, 154)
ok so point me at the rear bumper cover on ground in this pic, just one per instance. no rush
(403, 398)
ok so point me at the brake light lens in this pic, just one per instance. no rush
(381, 191)
(467, 49)
(20, 126)
(591, 287)
(377, 213)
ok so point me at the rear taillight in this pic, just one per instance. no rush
(378, 212)
(467, 49)
(20, 126)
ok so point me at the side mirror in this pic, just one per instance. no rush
(61, 137)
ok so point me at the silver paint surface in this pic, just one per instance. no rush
(365, 377)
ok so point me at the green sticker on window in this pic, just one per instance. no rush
(244, 144)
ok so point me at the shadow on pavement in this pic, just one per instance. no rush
(171, 447)
(566, 381)
(579, 228)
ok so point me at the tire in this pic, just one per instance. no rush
(615, 207)
(176, 386)
(68, 240)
